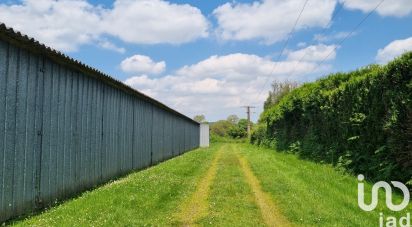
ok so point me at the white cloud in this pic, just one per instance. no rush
(314, 53)
(333, 37)
(143, 81)
(270, 20)
(396, 8)
(67, 24)
(142, 64)
(393, 50)
(301, 44)
(220, 85)
(111, 46)
(155, 21)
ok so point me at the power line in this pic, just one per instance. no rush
(346, 37)
(322, 33)
(283, 48)
(334, 16)
(332, 51)
(340, 42)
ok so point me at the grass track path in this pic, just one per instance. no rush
(230, 194)
(197, 205)
(231, 201)
(270, 212)
(224, 185)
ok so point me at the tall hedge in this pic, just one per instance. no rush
(361, 121)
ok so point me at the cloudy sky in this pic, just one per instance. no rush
(213, 57)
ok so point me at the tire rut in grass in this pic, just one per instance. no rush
(270, 213)
(196, 207)
(231, 200)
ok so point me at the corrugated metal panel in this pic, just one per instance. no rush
(64, 131)
(16, 38)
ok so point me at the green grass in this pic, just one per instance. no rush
(306, 193)
(143, 198)
(312, 194)
(231, 200)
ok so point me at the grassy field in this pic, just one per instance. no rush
(226, 185)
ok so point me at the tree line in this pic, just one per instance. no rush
(231, 128)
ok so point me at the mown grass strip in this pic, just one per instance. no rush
(306, 193)
(270, 212)
(145, 198)
(312, 194)
(196, 207)
(231, 199)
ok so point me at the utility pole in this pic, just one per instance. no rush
(248, 112)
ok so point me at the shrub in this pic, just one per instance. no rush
(361, 121)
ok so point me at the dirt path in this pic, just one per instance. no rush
(270, 212)
(197, 205)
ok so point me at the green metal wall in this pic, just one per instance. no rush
(62, 131)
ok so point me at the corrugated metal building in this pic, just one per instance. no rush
(65, 127)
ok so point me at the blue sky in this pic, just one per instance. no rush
(212, 57)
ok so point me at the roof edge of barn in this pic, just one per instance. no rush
(15, 37)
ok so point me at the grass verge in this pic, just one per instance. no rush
(148, 197)
(312, 194)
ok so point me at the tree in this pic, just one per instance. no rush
(279, 90)
(243, 124)
(200, 118)
(239, 130)
(233, 119)
(220, 128)
(231, 127)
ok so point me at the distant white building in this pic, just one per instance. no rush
(204, 135)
